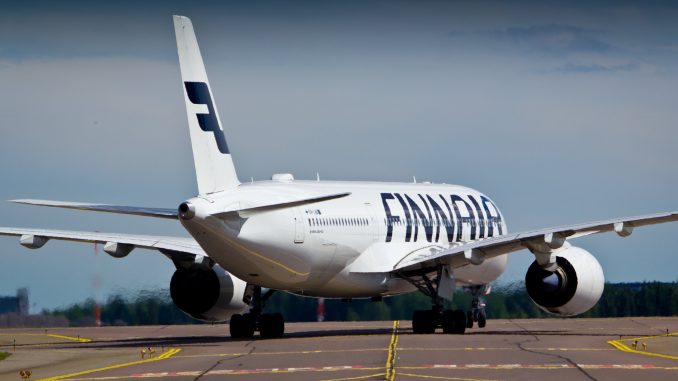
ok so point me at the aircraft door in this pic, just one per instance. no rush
(373, 228)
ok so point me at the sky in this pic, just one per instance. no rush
(562, 112)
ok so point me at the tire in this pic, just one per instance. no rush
(235, 326)
(423, 322)
(266, 326)
(448, 321)
(248, 325)
(482, 319)
(278, 325)
(429, 322)
(417, 322)
(469, 319)
(459, 318)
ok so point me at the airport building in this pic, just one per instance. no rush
(15, 304)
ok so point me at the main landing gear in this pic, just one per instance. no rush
(451, 321)
(426, 321)
(268, 325)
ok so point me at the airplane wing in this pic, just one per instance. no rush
(120, 209)
(178, 249)
(536, 241)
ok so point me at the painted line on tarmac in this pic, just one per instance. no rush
(624, 348)
(237, 372)
(166, 355)
(306, 352)
(392, 353)
(501, 349)
(52, 335)
(72, 338)
(461, 367)
(419, 376)
(539, 366)
(322, 351)
(372, 376)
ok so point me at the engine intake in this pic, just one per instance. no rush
(207, 294)
(574, 287)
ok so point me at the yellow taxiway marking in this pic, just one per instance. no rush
(52, 335)
(623, 347)
(442, 378)
(392, 347)
(163, 356)
(78, 339)
(355, 378)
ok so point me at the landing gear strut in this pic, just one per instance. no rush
(477, 313)
(268, 325)
(426, 321)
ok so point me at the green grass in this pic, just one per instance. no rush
(4, 355)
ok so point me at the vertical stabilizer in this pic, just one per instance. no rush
(213, 163)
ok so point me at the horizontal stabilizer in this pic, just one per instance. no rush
(120, 209)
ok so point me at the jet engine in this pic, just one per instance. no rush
(571, 288)
(209, 294)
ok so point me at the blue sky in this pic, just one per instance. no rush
(563, 112)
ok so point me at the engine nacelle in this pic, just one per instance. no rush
(572, 288)
(207, 294)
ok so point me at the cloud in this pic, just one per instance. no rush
(555, 39)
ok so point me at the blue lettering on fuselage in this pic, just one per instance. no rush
(432, 212)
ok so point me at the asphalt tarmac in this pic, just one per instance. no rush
(546, 349)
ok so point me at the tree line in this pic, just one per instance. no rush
(508, 301)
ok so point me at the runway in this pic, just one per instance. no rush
(553, 349)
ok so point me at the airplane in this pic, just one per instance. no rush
(337, 239)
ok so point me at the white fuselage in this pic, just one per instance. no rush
(332, 248)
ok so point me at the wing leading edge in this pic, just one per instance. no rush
(178, 249)
(538, 241)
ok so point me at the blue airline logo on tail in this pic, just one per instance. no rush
(199, 94)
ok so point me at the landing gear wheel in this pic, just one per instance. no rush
(278, 325)
(482, 318)
(447, 321)
(423, 322)
(235, 326)
(469, 319)
(271, 325)
(247, 326)
(454, 321)
(266, 326)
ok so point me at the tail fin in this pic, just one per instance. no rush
(213, 163)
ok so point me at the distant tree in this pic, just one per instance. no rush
(507, 301)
